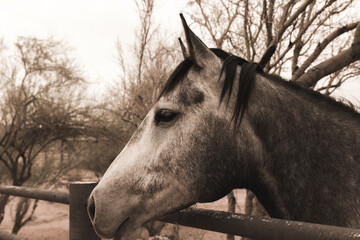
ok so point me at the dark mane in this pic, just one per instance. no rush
(245, 83)
(230, 63)
(176, 76)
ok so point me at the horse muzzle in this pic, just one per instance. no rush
(108, 218)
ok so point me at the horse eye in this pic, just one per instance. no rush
(164, 115)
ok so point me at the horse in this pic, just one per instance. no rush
(221, 123)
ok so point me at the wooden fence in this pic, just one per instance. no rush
(231, 223)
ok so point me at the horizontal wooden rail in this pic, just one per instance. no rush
(224, 222)
(80, 226)
(258, 228)
(41, 194)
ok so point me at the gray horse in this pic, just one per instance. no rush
(221, 123)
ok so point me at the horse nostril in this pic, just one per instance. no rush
(91, 208)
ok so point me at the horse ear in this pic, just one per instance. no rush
(183, 49)
(199, 52)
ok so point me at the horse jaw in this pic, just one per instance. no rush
(130, 234)
(124, 203)
(135, 212)
(154, 209)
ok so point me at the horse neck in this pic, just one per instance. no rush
(309, 164)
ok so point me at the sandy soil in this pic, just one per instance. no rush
(51, 221)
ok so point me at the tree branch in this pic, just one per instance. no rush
(268, 12)
(245, 26)
(344, 58)
(269, 52)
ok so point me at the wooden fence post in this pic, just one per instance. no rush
(80, 225)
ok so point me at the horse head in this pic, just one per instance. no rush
(183, 152)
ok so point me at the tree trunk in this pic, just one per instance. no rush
(3, 201)
(248, 206)
(22, 209)
(16, 227)
(176, 229)
(231, 209)
(249, 202)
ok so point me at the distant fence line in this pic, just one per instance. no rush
(219, 221)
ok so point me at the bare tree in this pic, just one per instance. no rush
(302, 39)
(145, 33)
(41, 104)
(140, 84)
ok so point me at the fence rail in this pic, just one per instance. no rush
(257, 227)
(41, 194)
(231, 223)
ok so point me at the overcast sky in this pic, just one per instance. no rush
(91, 28)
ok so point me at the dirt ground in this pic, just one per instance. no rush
(51, 221)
